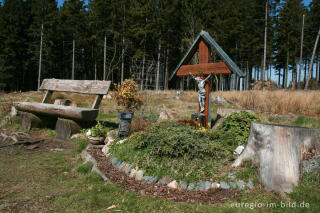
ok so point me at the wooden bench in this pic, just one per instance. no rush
(68, 119)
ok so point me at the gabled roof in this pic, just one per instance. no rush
(210, 41)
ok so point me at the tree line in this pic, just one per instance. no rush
(98, 40)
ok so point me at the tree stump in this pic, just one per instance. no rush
(66, 128)
(279, 150)
(28, 121)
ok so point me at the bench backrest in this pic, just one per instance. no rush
(89, 87)
(77, 86)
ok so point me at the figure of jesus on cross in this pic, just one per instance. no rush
(201, 81)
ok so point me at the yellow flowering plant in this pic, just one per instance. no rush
(127, 96)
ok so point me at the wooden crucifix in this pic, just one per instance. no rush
(206, 68)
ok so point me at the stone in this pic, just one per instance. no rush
(167, 115)
(220, 100)
(207, 185)
(173, 185)
(224, 185)
(215, 185)
(191, 186)
(241, 185)
(133, 173)
(182, 185)
(139, 175)
(230, 175)
(13, 112)
(122, 141)
(105, 149)
(165, 180)
(145, 179)
(153, 180)
(127, 168)
(250, 184)
(114, 161)
(111, 135)
(121, 165)
(310, 165)
(78, 136)
(225, 112)
(238, 150)
(108, 96)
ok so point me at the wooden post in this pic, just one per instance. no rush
(40, 57)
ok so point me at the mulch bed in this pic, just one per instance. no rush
(211, 196)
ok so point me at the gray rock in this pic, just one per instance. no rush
(14, 111)
(238, 150)
(191, 186)
(165, 180)
(310, 165)
(173, 184)
(145, 179)
(215, 185)
(207, 185)
(224, 185)
(220, 100)
(121, 165)
(153, 180)
(250, 184)
(128, 170)
(183, 185)
(105, 149)
(139, 175)
(230, 175)
(241, 185)
(114, 161)
(201, 185)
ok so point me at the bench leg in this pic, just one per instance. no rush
(28, 121)
(66, 128)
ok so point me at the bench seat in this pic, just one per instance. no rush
(77, 113)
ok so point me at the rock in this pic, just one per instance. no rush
(114, 161)
(224, 185)
(133, 173)
(215, 185)
(165, 180)
(13, 112)
(225, 112)
(108, 96)
(191, 186)
(145, 178)
(173, 184)
(310, 165)
(238, 150)
(207, 185)
(111, 135)
(220, 100)
(105, 149)
(182, 185)
(122, 141)
(96, 140)
(121, 165)
(230, 175)
(143, 192)
(241, 185)
(79, 136)
(250, 184)
(97, 170)
(167, 115)
(126, 168)
(153, 180)
(139, 175)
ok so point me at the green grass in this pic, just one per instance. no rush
(103, 117)
(81, 144)
(304, 121)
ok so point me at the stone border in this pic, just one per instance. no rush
(170, 182)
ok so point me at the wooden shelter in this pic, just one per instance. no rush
(206, 44)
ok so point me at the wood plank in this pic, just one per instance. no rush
(279, 151)
(206, 68)
(47, 97)
(77, 86)
(77, 113)
(204, 53)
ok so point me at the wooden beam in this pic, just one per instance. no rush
(205, 68)
(77, 113)
(204, 53)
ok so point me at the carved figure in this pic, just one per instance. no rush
(201, 81)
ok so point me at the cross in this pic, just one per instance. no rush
(206, 68)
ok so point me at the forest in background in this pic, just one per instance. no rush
(101, 39)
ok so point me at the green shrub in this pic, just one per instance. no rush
(238, 125)
(176, 140)
(98, 130)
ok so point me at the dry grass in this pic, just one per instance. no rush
(276, 102)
